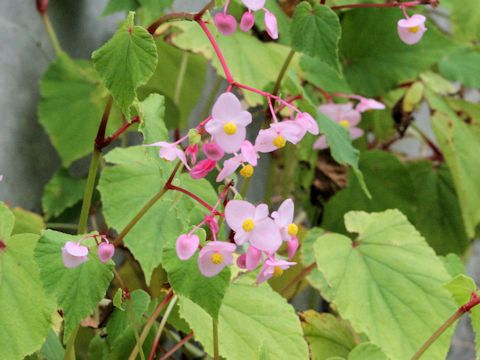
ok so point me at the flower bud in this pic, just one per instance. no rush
(42, 6)
(105, 252)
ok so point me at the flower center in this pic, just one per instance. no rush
(216, 258)
(279, 141)
(277, 271)
(414, 29)
(292, 229)
(230, 128)
(247, 171)
(248, 225)
(344, 123)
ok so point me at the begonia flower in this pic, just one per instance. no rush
(411, 30)
(247, 21)
(277, 136)
(202, 168)
(74, 254)
(214, 257)
(272, 267)
(229, 167)
(283, 218)
(213, 151)
(192, 152)
(252, 224)
(292, 247)
(186, 245)
(228, 123)
(225, 23)
(366, 104)
(170, 152)
(253, 256)
(105, 251)
(308, 123)
(271, 25)
(254, 5)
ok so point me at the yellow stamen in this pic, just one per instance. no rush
(216, 258)
(247, 171)
(230, 128)
(344, 123)
(277, 271)
(248, 225)
(414, 29)
(292, 229)
(279, 141)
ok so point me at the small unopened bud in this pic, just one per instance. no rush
(42, 6)
(194, 137)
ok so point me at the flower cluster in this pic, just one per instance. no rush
(257, 233)
(227, 24)
(227, 129)
(347, 115)
(75, 254)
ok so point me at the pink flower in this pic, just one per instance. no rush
(254, 5)
(74, 254)
(284, 220)
(343, 114)
(226, 24)
(214, 257)
(213, 151)
(369, 104)
(292, 246)
(412, 29)
(277, 136)
(252, 224)
(229, 167)
(271, 25)
(308, 123)
(272, 267)
(247, 21)
(242, 261)
(228, 123)
(249, 153)
(253, 257)
(186, 246)
(192, 152)
(1, 177)
(170, 151)
(105, 251)
(202, 168)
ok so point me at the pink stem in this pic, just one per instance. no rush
(266, 94)
(272, 111)
(387, 5)
(220, 57)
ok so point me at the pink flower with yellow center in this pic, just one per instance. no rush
(272, 268)
(214, 257)
(228, 123)
(411, 30)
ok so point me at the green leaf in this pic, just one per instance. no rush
(316, 31)
(326, 335)
(164, 81)
(437, 83)
(27, 222)
(126, 61)
(151, 10)
(315, 278)
(323, 76)
(237, 50)
(462, 65)
(71, 106)
(52, 348)
(62, 192)
(251, 318)
(77, 290)
(466, 20)
(395, 278)
(125, 188)
(341, 148)
(375, 59)
(439, 217)
(187, 280)
(459, 144)
(152, 114)
(367, 351)
(453, 264)
(26, 308)
(391, 186)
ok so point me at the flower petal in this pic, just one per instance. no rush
(226, 108)
(186, 246)
(266, 236)
(237, 211)
(230, 143)
(254, 5)
(253, 257)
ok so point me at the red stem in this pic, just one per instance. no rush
(220, 57)
(177, 346)
(108, 140)
(100, 138)
(193, 196)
